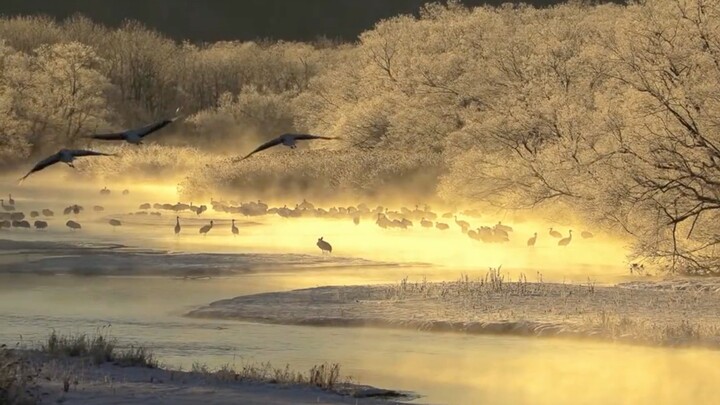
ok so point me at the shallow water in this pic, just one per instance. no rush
(443, 368)
(273, 254)
(601, 259)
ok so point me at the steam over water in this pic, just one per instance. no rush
(590, 114)
(446, 368)
(145, 279)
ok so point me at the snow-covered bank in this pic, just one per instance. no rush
(78, 381)
(640, 314)
(45, 257)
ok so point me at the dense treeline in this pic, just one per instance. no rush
(609, 110)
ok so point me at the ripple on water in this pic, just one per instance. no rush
(86, 258)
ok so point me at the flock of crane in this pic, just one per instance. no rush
(135, 136)
(11, 218)
(384, 218)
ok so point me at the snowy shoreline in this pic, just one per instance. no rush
(667, 313)
(72, 380)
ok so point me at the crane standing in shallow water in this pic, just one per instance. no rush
(8, 208)
(531, 241)
(324, 246)
(177, 225)
(464, 225)
(205, 229)
(234, 228)
(565, 241)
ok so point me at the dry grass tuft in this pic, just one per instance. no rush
(676, 333)
(136, 357)
(642, 315)
(324, 376)
(494, 282)
(100, 348)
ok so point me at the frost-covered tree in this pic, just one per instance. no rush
(28, 33)
(143, 66)
(609, 111)
(535, 135)
(666, 61)
(239, 122)
(64, 94)
(13, 141)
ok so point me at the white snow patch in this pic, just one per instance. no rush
(111, 384)
(669, 317)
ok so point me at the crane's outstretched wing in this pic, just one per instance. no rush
(84, 152)
(149, 129)
(115, 136)
(48, 161)
(142, 131)
(268, 144)
(308, 136)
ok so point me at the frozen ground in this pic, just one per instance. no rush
(112, 384)
(667, 313)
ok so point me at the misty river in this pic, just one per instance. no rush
(443, 368)
(146, 308)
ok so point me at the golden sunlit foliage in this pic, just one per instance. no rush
(609, 110)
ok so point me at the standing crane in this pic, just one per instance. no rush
(531, 241)
(565, 241)
(324, 246)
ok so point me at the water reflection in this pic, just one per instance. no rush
(601, 258)
(446, 368)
